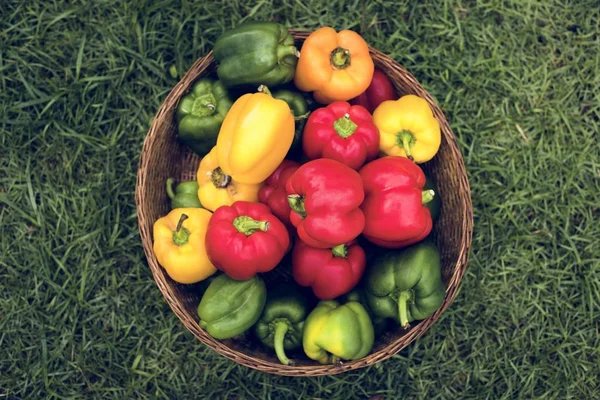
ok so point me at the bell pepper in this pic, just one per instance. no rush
(395, 202)
(325, 197)
(343, 133)
(299, 108)
(246, 238)
(335, 332)
(200, 114)
(216, 189)
(408, 128)
(256, 53)
(255, 137)
(179, 244)
(230, 307)
(380, 89)
(185, 194)
(406, 285)
(282, 322)
(329, 272)
(358, 294)
(273, 194)
(335, 66)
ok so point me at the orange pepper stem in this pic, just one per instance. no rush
(181, 235)
(296, 203)
(340, 251)
(344, 126)
(248, 225)
(340, 58)
(219, 178)
(427, 196)
(406, 140)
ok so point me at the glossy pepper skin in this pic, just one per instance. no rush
(273, 193)
(256, 53)
(329, 272)
(406, 285)
(184, 195)
(246, 238)
(380, 90)
(335, 332)
(281, 324)
(394, 207)
(343, 133)
(229, 307)
(358, 294)
(299, 108)
(200, 114)
(334, 65)
(216, 189)
(255, 137)
(325, 197)
(408, 128)
(179, 244)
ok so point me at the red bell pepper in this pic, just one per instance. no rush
(244, 239)
(394, 206)
(343, 133)
(380, 90)
(329, 272)
(325, 197)
(273, 194)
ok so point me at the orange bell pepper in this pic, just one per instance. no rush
(335, 66)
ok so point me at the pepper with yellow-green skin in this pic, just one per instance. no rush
(334, 332)
(408, 128)
(255, 137)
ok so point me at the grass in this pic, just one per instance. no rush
(80, 315)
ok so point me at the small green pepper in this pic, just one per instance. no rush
(230, 307)
(200, 114)
(185, 194)
(299, 108)
(406, 285)
(282, 323)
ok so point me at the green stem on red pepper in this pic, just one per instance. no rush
(248, 225)
(296, 203)
(427, 196)
(344, 126)
(340, 250)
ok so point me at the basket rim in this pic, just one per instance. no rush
(416, 330)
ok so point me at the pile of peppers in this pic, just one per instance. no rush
(310, 163)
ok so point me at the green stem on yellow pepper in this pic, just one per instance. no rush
(406, 140)
(219, 178)
(181, 235)
(340, 58)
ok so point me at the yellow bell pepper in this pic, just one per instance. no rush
(216, 189)
(408, 128)
(179, 244)
(255, 137)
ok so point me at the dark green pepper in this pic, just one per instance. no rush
(256, 53)
(406, 285)
(435, 205)
(299, 108)
(185, 194)
(230, 307)
(282, 323)
(200, 114)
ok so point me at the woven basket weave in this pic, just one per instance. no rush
(163, 156)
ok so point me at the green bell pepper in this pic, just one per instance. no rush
(200, 114)
(435, 205)
(299, 107)
(256, 53)
(406, 285)
(282, 323)
(344, 330)
(185, 194)
(229, 307)
(358, 294)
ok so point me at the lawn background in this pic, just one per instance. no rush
(80, 81)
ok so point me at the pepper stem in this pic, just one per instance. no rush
(204, 105)
(427, 196)
(181, 235)
(219, 178)
(340, 58)
(286, 51)
(344, 126)
(281, 329)
(264, 89)
(406, 140)
(170, 191)
(403, 298)
(248, 225)
(340, 250)
(296, 203)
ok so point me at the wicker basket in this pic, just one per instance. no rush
(163, 156)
